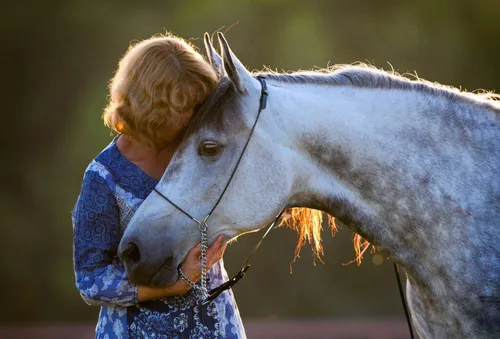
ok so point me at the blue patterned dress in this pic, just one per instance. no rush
(112, 189)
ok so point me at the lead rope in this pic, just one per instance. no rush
(403, 300)
(203, 262)
(202, 288)
(203, 295)
(214, 293)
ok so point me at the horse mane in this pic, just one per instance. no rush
(362, 75)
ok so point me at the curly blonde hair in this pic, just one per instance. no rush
(157, 81)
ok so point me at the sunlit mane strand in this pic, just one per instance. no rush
(308, 223)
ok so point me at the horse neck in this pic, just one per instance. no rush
(360, 164)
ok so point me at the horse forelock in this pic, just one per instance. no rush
(210, 113)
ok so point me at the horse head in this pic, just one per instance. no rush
(160, 234)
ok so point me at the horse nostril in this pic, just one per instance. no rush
(131, 254)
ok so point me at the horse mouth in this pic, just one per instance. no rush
(166, 275)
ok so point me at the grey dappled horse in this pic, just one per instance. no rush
(411, 166)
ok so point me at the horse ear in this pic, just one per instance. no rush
(233, 67)
(214, 57)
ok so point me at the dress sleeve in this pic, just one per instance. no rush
(100, 277)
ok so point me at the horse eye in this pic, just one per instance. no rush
(209, 148)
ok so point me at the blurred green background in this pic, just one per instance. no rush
(57, 57)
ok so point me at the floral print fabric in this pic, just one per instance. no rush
(112, 189)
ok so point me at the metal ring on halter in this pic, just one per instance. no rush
(202, 226)
(204, 223)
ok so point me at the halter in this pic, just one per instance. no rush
(206, 296)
